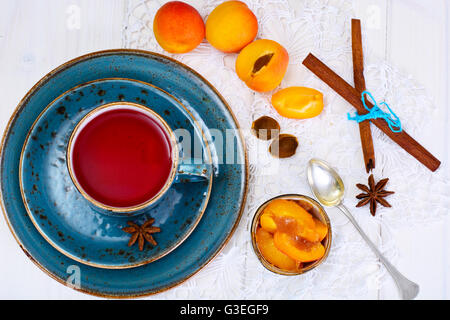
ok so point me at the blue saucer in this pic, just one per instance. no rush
(66, 219)
(227, 197)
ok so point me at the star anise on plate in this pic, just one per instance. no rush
(373, 193)
(141, 233)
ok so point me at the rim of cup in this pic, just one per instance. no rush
(120, 106)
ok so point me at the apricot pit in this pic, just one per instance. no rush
(284, 146)
(265, 128)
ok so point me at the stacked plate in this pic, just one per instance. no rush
(61, 232)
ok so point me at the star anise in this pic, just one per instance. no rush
(141, 233)
(373, 193)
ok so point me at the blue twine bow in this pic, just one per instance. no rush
(376, 113)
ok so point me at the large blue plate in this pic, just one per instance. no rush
(227, 196)
(66, 219)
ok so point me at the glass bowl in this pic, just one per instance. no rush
(316, 210)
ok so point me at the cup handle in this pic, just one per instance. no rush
(193, 173)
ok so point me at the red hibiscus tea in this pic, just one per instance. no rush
(121, 156)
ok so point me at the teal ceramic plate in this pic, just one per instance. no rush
(66, 219)
(228, 192)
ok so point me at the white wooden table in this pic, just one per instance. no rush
(414, 35)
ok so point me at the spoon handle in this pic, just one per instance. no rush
(408, 289)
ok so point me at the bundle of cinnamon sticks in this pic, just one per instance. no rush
(353, 96)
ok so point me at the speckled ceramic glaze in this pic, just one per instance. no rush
(227, 196)
(66, 219)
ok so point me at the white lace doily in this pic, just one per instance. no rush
(321, 27)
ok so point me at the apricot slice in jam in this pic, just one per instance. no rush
(298, 248)
(268, 223)
(321, 229)
(290, 218)
(266, 246)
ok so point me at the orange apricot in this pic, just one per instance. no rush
(290, 218)
(268, 223)
(321, 229)
(178, 27)
(231, 26)
(297, 248)
(298, 102)
(262, 65)
(267, 248)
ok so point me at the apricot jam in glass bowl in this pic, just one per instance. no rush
(291, 234)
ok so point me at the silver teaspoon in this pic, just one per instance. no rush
(328, 188)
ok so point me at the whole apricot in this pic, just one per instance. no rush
(298, 102)
(262, 65)
(231, 26)
(178, 27)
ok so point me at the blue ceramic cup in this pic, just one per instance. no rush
(190, 171)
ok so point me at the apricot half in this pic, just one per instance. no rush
(266, 246)
(262, 65)
(231, 26)
(289, 217)
(298, 102)
(178, 27)
(321, 229)
(297, 248)
(268, 223)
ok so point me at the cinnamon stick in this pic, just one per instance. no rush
(360, 85)
(350, 94)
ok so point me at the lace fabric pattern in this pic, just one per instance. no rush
(323, 28)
